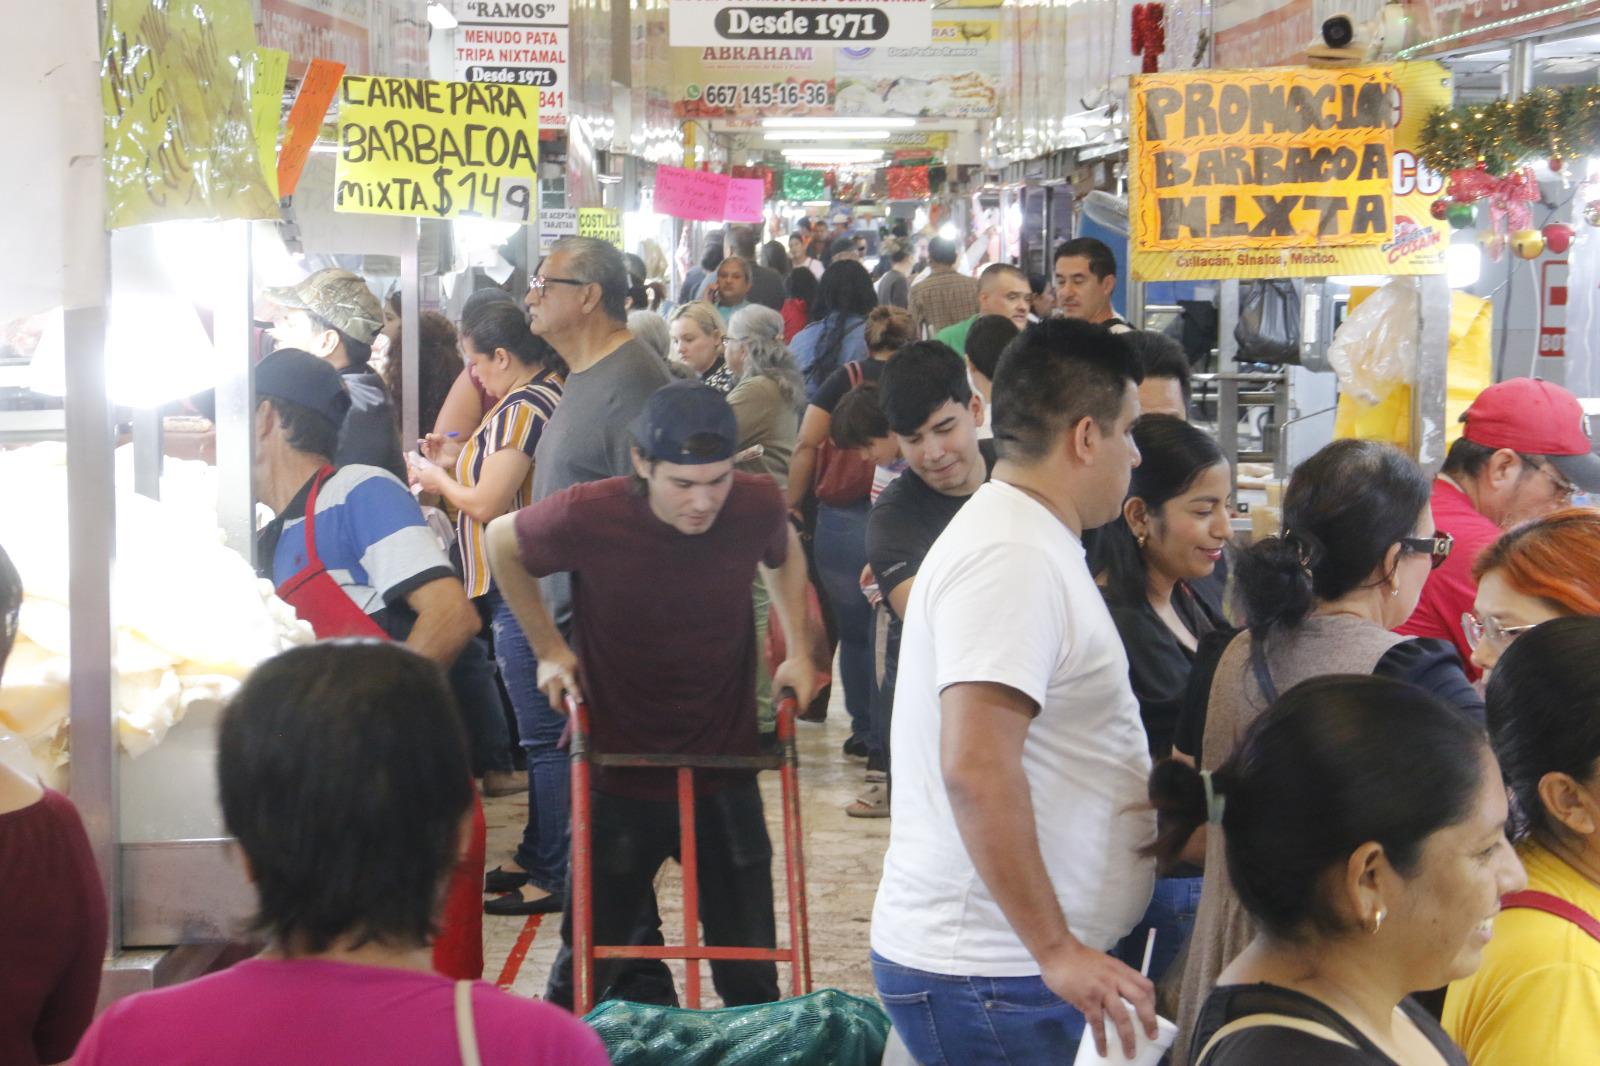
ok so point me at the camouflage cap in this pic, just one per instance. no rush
(337, 296)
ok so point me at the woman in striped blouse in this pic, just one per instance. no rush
(493, 476)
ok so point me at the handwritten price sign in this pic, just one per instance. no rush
(441, 149)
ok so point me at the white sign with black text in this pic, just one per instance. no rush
(822, 23)
(517, 42)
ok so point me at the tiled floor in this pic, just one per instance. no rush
(844, 857)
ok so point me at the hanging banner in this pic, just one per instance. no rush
(602, 223)
(1284, 172)
(804, 185)
(442, 149)
(746, 197)
(907, 183)
(829, 24)
(517, 44)
(958, 75)
(180, 137)
(755, 81)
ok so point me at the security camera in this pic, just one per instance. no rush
(1338, 31)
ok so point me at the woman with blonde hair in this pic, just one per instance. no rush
(697, 344)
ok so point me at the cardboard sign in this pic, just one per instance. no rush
(305, 120)
(695, 195)
(180, 138)
(831, 24)
(442, 149)
(745, 199)
(1285, 172)
(604, 223)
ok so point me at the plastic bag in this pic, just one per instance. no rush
(826, 1028)
(1269, 323)
(1375, 349)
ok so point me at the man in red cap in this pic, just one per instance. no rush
(1524, 452)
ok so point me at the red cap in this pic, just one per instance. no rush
(1535, 418)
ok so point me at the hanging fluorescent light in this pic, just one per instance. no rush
(833, 155)
(837, 123)
(441, 17)
(827, 135)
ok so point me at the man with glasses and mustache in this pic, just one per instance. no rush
(1524, 451)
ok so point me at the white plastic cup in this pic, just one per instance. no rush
(1146, 1052)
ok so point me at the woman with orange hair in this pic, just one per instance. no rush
(1549, 568)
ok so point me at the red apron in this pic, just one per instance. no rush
(317, 598)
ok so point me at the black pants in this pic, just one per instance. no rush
(630, 839)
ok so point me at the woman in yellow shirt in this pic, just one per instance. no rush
(1536, 999)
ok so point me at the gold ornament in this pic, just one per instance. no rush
(1527, 243)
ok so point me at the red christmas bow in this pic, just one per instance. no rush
(1508, 197)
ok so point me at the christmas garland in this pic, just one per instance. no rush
(1553, 124)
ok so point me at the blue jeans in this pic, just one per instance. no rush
(976, 1021)
(841, 552)
(482, 711)
(547, 836)
(1171, 914)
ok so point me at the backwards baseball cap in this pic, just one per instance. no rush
(1536, 418)
(301, 378)
(680, 412)
(338, 297)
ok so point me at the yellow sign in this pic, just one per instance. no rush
(1284, 172)
(267, 79)
(179, 137)
(602, 222)
(442, 149)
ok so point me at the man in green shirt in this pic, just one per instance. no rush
(1002, 290)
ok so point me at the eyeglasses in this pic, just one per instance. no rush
(1436, 547)
(540, 283)
(1565, 490)
(1478, 630)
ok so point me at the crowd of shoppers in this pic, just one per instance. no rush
(1301, 824)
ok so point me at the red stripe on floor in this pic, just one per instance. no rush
(519, 952)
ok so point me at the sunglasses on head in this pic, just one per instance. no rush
(1436, 547)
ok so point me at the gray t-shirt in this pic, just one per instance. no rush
(587, 439)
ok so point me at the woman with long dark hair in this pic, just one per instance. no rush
(491, 476)
(1536, 999)
(837, 332)
(1364, 823)
(1171, 532)
(800, 292)
(1321, 598)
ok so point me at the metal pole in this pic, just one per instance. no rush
(147, 447)
(1433, 364)
(410, 337)
(91, 549)
(1519, 75)
(233, 336)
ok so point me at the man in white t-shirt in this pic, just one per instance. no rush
(1020, 760)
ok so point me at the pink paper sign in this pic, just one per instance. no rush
(691, 194)
(746, 197)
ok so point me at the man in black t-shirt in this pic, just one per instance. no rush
(935, 416)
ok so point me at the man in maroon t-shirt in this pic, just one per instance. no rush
(1524, 452)
(664, 628)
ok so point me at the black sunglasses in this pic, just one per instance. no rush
(1436, 547)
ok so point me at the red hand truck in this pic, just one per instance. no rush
(585, 951)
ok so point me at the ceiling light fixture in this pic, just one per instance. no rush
(780, 136)
(833, 155)
(837, 123)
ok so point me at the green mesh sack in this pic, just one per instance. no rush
(826, 1028)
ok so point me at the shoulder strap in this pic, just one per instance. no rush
(312, 559)
(1544, 901)
(466, 1030)
(854, 372)
(1279, 1021)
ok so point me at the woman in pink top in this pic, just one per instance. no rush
(344, 777)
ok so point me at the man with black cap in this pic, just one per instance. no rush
(334, 316)
(662, 563)
(365, 562)
(1524, 451)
